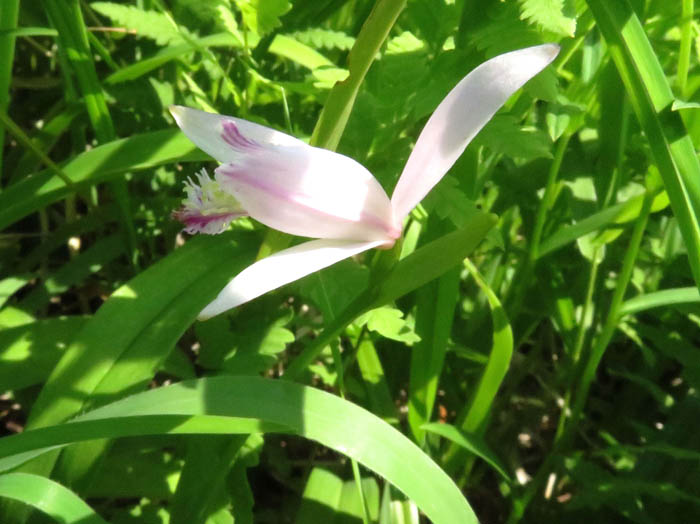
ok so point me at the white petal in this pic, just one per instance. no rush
(225, 137)
(311, 192)
(280, 269)
(460, 116)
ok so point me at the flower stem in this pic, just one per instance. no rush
(685, 47)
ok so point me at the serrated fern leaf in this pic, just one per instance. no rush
(324, 39)
(551, 15)
(146, 24)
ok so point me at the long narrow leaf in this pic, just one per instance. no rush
(307, 412)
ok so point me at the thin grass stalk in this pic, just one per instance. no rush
(523, 276)
(611, 320)
(9, 13)
(564, 435)
(685, 45)
(67, 17)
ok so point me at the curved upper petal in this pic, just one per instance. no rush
(312, 192)
(280, 269)
(226, 137)
(460, 116)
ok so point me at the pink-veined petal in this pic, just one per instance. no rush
(226, 137)
(460, 116)
(311, 192)
(280, 269)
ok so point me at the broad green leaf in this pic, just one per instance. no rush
(207, 405)
(108, 359)
(321, 497)
(28, 353)
(9, 285)
(75, 271)
(435, 311)
(499, 358)
(607, 218)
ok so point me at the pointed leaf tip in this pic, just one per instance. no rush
(460, 116)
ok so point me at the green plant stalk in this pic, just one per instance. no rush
(341, 99)
(686, 42)
(66, 16)
(9, 13)
(524, 273)
(651, 98)
(548, 199)
(611, 321)
(21, 137)
(580, 339)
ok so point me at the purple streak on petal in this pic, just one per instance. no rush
(208, 224)
(233, 137)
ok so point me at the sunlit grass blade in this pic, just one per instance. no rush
(108, 359)
(499, 358)
(613, 217)
(92, 167)
(307, 412)
(666, 297)
(336, 111)
(652, 99)
(471, 443)
(49, 497)
(434, 318)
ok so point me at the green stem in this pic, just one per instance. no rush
(341, 99)
(521, 282)
(9, 12)
(21, 137)
(580, 339)
(611, 320)
(548, 199)
(564, 435)
(686, 26)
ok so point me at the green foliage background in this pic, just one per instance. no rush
(551, 375)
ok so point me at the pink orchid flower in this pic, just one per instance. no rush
(306, 191)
